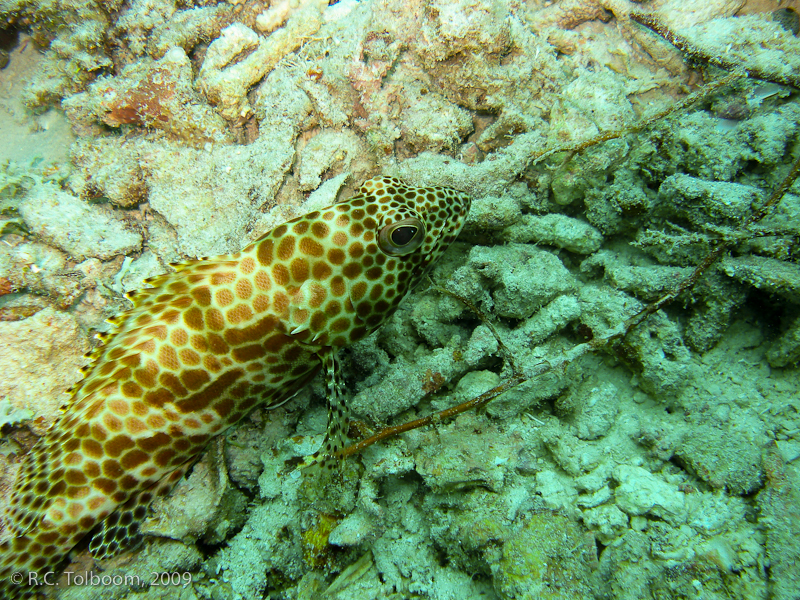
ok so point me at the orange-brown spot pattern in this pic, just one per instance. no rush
(205, 344)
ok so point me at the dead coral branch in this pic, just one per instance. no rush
(695, 53)
(574, 148)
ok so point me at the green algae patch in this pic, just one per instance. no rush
(549, 558)
(316, 549)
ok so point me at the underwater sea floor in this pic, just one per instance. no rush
(605, 165)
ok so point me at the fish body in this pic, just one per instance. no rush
(202, 347)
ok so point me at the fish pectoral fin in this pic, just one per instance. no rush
(338, 413)
(119, 532)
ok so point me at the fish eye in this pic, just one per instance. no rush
(402, 237)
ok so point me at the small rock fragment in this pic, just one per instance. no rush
(656, 353)
(353, 529)
(703, 202)
(467, 454)
(612, 208)
(539, 553)
(723, 458)
(39, 358)
(646, 282)
(786, 349)
(641, 493)
(188, 28)
(78, 228)
(525, 278)
(768, 274)
(490, 213)
(527, 395)
(202, 505)
(596, 410)
(552, 317)
(607, 522)
(429, 122)
(109, 170)
(779, 519)
(272, 18)
(329, 154)
(556, 230)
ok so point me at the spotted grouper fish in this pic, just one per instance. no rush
(200, 348)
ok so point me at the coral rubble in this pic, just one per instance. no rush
(664, 465)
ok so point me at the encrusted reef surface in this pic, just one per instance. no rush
(663, 465)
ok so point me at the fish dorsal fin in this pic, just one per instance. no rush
(187, 277)
(120, 530)
(172, 292)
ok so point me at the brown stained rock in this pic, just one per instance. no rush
(6, 286)
(143, 103)
(150, 94)
(17, 313)
(568, 14)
